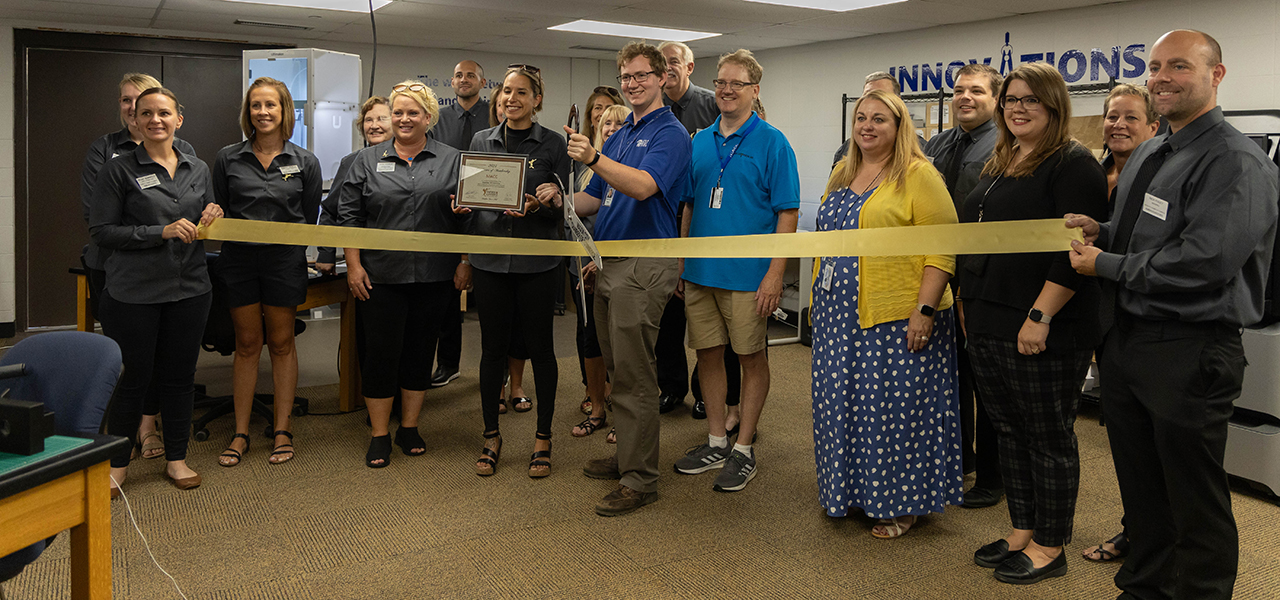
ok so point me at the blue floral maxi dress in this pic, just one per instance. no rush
(885, 424)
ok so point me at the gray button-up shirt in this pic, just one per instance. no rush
(288, 191)
(329, 207)
(696, 109)
(383, 191)
(453, 119)
(102, 150)
(133, 200)
(1201, 248)
(548, 158)
(938, 149)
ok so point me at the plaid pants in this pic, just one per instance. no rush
(1032, 401)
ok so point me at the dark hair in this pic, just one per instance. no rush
(163, 91)
(993, 76)
(1046, 84)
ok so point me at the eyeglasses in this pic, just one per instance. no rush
(736, 86)
(371, 120)
(638, 77)
(413, 87)
(523, 67)
(608, 90)
(1027, 102)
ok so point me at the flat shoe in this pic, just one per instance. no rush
(1019, 570)
(379, 449)
(993, 554)
(589, 426)
(978, 497)
(282, 449)
(185, 483)
(895, 527)
(234, 456)
(152, 449)
(410, 441)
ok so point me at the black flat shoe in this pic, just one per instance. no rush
(379, 449)
(978, 497)
(1018, 570)
(668, 403)
(410, 442)
(991, 555)
(699, 410)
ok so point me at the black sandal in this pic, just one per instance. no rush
(519, 401)
(282, 448)
(232, 453)
(379, 449)
(538, 466)
(1121, 543)
(590, 425)
(410, 442)
(489, 457)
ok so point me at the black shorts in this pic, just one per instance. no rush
(273, 274)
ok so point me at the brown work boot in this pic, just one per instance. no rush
(623, 500)
(602, 468)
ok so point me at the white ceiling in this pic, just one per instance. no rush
(520, 26)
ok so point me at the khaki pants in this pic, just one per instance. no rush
(631, 294)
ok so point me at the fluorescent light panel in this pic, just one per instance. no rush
(831, 5)
(343, 5)
(632, 31)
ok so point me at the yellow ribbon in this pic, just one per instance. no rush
(1002, 237)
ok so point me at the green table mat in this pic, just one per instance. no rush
(53, 446)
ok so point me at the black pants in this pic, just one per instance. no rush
(524, 302)
(400, 323)
(587, 341)
(449, 352)
(977, 435)
(1032, 401)
(1168, 393)
(159, 344)
(97, 281)
(673, 368)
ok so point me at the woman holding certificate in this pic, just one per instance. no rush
(401, 184)
(519, 291)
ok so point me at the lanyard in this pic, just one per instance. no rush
(724, 162)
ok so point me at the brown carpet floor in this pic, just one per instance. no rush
(325, 527)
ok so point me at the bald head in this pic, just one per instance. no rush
(1185, 71)
(1205, 45)
(467, 81)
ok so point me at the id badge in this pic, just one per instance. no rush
(608, 197)
(828, 272)
(717, 194)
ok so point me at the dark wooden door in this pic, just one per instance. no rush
(210, 91)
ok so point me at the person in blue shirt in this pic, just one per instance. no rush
(744, 181)
(642, 173)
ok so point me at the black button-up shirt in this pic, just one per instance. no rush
(939, 148)
(329, 207)
(288, 191)
(548, 153)
(383, 191)
(453, 120)
(102, 150)
(128, 215)
(1207, 259)
(696, 109)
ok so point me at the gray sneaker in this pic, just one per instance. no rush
(738, 470)
(701, 459)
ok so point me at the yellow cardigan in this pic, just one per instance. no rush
(888, 286)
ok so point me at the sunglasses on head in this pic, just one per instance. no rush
(524, 67)
(610, 91)
(415, 87)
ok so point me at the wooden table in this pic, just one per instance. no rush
(68, 491)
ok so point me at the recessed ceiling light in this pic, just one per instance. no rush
(831, 5)
(344, 5)
(633, 31)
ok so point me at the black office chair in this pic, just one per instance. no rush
(220, 337)
(74, 374)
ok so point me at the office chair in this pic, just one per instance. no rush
(74, 374)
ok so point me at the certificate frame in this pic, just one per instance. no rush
(492, 187)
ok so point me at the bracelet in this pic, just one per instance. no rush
(594, 160)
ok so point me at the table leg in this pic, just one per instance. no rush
(84, 313)
(349, 397)
(91, 540)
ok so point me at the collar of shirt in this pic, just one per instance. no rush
(649, 118)
(536, 133)
(140, 153)
(246, 149)
(687, 98)
(745, 126)
(387, 151)
(479, 109)
(121, 139)
(1196, 128)
(979, 131)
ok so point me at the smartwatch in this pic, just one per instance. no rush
(1039, 317)
(926, 310)
(594, 160)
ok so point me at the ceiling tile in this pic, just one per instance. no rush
(804, 33)
(740, 9)
(671, 20)
(577, 9)
(937, 12)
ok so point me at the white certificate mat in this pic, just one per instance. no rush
(491, 181)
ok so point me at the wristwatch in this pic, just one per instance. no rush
(1039, 317)
(926, 310)
(594, 160)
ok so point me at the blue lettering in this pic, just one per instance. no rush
(1110, 67)
(1082, 64)
(908, 83)
(985, 61)
(1048, 58)
(928, 75)
(1029, 58)
(951, 72)
(1138, 65)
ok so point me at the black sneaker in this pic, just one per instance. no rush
(737, 472)
(443, 376)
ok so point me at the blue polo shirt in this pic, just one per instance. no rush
(759, 181)
(658, 145)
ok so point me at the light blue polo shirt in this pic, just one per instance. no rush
(760, 181)
(658, 145)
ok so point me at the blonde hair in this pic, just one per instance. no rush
(1137, 91)
(286, 108)
(588, 127)
(906, 151)
(617, 112)
(745, 59)
(657, 62)
(142, 81)
(1047, 85)
(424, 98)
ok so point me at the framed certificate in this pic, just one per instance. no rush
(491, 181)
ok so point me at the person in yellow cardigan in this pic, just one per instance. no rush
(886, 427)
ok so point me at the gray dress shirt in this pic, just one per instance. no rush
(548, 155)
(383, 191)
(133, 200)
(1201, 249)
(329, 208)
(453, 120)
(696, 109)
(102, 150)
(288, 191)
(938, 149)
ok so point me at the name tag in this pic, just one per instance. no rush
(295, 169)
(386, 167)
(148, 181)
(717, 195)
(608, 197)
(828, 272)
(1155, 207)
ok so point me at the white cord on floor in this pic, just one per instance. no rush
(144, 539)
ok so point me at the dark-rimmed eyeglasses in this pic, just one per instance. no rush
(736, 86)
(638, 77)
(1027, 102)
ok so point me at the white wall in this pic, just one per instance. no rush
(802, 85)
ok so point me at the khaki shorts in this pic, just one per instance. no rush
(719, 317)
